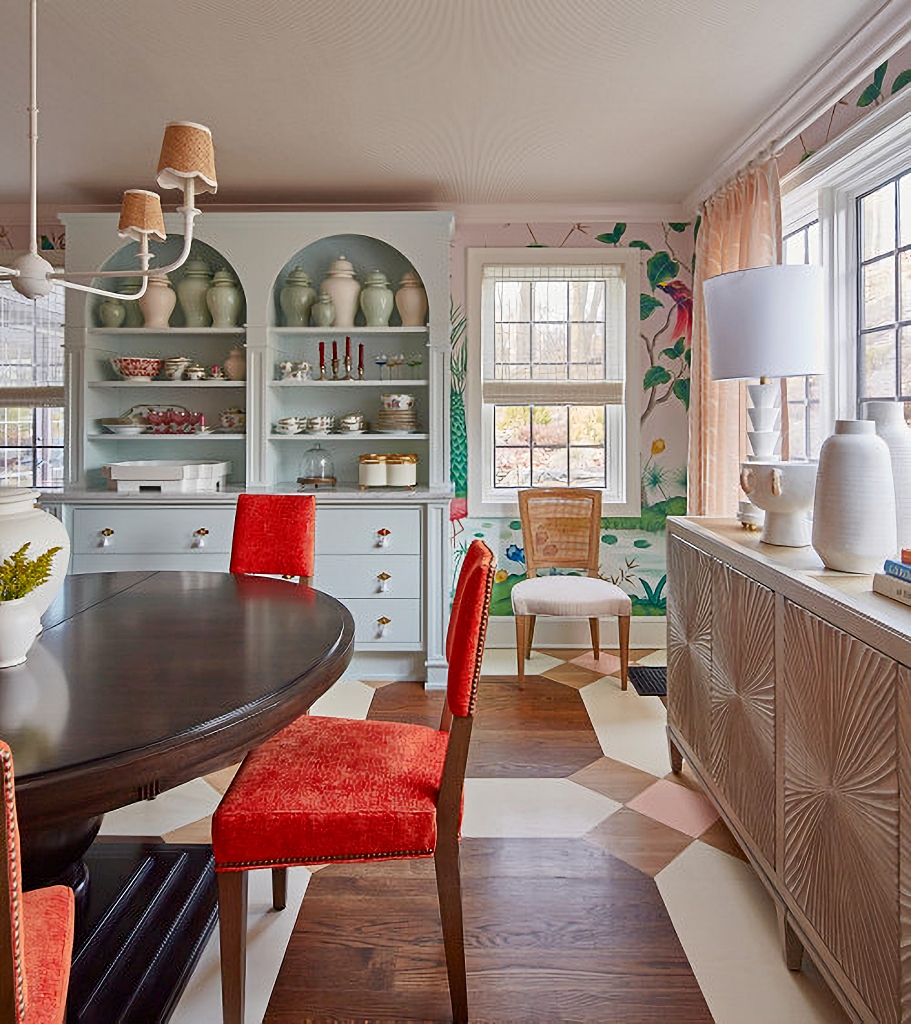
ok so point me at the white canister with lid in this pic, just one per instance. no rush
(371, 471)
(401, 470)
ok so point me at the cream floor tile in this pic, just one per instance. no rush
(655, 658)
(501, 661)
(726, 924)
(348, 698)
(630, 728)
(268, 933)
(532, 808)
(167, 812)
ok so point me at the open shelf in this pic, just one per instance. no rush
(167, 384)
(368, 435)
(149, 331)
(162, 438)
(329, 332)
(389, 384)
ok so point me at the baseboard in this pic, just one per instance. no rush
(644, 631)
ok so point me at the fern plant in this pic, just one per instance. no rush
(20, 575)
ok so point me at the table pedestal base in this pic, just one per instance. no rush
(140, 926)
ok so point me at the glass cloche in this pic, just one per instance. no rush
(317, 468)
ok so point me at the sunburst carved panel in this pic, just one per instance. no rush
(904, 808)
(689, 650)
(841, 814)
(743, 701)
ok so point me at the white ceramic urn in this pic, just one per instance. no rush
(158, 303)
(889, 418)
(784, 490)
(411, 300)
(21, 521)
(854, 510)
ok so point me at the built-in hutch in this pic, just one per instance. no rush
(384, 551)
(789, 694)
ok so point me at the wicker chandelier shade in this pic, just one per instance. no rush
(187, 152)
(140, 215)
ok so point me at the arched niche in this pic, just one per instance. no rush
(126, 258)
(364, 252)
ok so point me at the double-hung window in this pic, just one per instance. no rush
(552, 335)
(31, 389)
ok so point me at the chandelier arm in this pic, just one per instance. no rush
(101, 291)
(8, 273)
(144, 257)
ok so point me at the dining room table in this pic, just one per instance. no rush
(138, 683)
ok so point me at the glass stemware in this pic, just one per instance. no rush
(381, 362)
(413, 362)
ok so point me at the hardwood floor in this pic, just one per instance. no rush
(556, 929)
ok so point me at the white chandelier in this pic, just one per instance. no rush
(187, 162)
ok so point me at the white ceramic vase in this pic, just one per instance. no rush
(889, 418)
(22, 521)
(854, 509)
(344, 289)
(784, 490)
(158, 303)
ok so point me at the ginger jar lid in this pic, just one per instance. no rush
(410, 279)
(298, 276)
(341, 268)
(196, 268)
(376, 279)
(223, 277)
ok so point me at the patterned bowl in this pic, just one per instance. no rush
(136, 367)
(397, 401)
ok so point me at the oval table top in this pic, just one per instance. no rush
(142, 681)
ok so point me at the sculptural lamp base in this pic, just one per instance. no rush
(785, 490)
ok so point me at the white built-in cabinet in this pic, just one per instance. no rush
(384, 552)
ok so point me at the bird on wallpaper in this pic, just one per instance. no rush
(683, 302)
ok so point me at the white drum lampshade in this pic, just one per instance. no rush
(762, 323)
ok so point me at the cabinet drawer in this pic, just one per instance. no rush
(152, 530)
(345, 576)
(402, 631)
(360, 531)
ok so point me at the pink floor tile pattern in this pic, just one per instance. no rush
(676, 806)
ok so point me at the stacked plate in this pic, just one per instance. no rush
(396, 421)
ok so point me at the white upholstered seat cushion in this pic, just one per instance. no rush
(576, 596)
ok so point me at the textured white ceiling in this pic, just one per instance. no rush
(406, 101)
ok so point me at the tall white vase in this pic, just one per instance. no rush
(22, 521)
(158, 303)
(854, 509)
(889, 418)
(344, 289)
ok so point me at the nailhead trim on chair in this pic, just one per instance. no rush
(281, 862)
(10, 795)
(482, 636)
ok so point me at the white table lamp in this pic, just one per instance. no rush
(766, 323)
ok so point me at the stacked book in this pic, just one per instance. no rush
(895, 579)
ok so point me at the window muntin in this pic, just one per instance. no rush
(554, 337)
(31, 389)
(883, 216)
(805, 428)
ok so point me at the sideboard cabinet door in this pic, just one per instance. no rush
(689, 646)
(743, 702)
(841, 800)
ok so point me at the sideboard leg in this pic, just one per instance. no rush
(675, 755)
(791, 946)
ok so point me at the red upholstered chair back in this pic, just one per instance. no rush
(468, 628)
(274, 535)
(12, 975)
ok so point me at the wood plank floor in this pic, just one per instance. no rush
(555, 929)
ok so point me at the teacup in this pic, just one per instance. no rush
(320, 424)
(397, 401)
(288, 427)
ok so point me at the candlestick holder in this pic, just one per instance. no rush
(335, 369)
(322, 371)
(360, 372)
(348, 368)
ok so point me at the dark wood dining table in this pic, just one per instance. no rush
(138, 683)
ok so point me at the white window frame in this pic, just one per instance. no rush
(826, 187)
(483, 499)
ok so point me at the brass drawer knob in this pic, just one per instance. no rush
(199, 538)
(106, 535)
(382, 622)
(383, 538)
(384, 578)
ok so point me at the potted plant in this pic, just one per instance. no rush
(20, 617)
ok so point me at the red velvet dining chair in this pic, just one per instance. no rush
(342, 790)
(36, 930)
(274, 535)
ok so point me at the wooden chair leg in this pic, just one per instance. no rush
(521, 644)
(449, 889)
(232, 926)
(279, 888)
(623, 629)
(532, 619)
(593, 626)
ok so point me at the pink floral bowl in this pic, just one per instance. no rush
(136, 367)
(397, 401)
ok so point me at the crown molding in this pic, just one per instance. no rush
(885, 31)
(569, 213)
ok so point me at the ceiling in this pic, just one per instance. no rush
(446, 102)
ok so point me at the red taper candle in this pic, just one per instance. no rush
(335, 350)
(360, 356)
(322, 353)
(347, 348)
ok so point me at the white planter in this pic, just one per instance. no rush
(854, 510)
(20, 521)
(889, 418)
(785, 491)
(20, 623)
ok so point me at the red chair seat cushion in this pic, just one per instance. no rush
(47, 946)
(332, 789)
